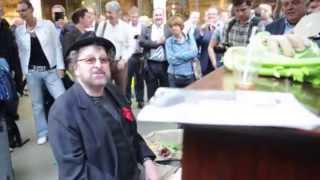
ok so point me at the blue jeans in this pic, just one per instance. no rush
(35, 80)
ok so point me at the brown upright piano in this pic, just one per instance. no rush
(252, 153)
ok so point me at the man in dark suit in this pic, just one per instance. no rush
(293, 11)
(203, 36)
(92, 130)
(152, 41)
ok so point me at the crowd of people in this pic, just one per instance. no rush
(86, 66)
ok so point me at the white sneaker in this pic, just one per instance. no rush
(42, 140)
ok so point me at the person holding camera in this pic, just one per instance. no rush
(237, 31)
(58, 18)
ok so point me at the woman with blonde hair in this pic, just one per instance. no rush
(181, 49)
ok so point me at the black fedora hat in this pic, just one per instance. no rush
(89, 38)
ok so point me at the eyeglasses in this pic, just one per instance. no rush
(22, 10)
(93, 60)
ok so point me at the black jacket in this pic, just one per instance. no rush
(147, 44)
(70, 34)
(80, 139)
(277, 27)
(9, 51)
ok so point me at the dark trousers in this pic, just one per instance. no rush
(135, 69)
(156, 76)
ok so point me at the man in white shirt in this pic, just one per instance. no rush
(118, 32)
(41, 59)
(152, 40)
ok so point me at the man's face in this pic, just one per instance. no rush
(242, 12)
(224, 16)
(158, 17)
(212, 16)
(195, 18)
(92, 13)
(86, 20)
(294, 10)
(112, 16)
(134, 18)
(93, 67)
(92, 18)
(264, 13)
(314, 6)
(24, 11)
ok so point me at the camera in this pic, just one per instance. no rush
(58, 16)
(222, 48)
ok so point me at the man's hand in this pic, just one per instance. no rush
(211, 53)
(161, 40)
(60, 73)
(151, 172)
(121, 64)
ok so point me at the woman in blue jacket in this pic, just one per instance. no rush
(181, 49)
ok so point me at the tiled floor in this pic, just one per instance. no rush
(34, 162)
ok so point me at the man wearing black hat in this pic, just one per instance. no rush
(92, 130)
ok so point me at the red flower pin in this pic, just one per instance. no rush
(127, 114)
